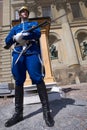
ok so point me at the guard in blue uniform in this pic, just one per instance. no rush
(26, 56)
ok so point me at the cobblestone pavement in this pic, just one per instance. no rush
(70, 113)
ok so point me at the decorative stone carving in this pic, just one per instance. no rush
(53, 52)
(83, 46)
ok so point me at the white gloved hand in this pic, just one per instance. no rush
(18, 37)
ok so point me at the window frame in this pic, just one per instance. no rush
(49, 13)
(80, 14)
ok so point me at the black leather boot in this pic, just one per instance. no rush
(41, 88)
(18, 115)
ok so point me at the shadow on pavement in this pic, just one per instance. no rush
(55, 106)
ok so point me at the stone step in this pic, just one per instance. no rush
(5, 89)
(33, 87)
(30, 92)
(55, 93)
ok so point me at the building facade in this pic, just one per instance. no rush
(67, 37)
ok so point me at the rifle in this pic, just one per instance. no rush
(39, 25)
(31, 30)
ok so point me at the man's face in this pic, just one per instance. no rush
(24, 14)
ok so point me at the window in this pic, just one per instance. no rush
(46, 11)
(16, 14)
(76, 10)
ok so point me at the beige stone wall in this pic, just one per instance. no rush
(1, 5)
(64, 29)
(5, 62)
(5, 55)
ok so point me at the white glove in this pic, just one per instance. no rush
(18, 37)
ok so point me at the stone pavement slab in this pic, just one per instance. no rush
(70, 113)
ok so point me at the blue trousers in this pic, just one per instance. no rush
(30, 63)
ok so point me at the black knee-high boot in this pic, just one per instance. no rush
(41, 88)
(18, 115)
